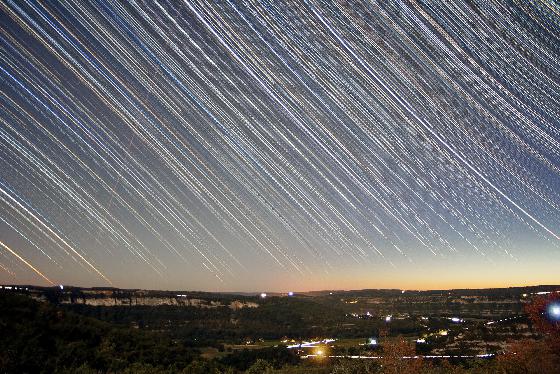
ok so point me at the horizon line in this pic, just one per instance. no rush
(275, 292)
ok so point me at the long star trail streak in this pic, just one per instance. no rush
(217, 143)
(25, 262)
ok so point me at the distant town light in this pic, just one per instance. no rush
(263, 295)
(372, 341)
(402, 291)
(421, 341)
(456, 319)
(290, 293)
(388, 318)
(61, 287)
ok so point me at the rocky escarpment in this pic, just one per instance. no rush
(141, 298)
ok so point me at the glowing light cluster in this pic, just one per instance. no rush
(553, 310)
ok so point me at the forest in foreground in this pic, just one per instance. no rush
(45, 337)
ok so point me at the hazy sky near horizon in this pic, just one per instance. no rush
(246, 146)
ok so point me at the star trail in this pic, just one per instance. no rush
(241, 145)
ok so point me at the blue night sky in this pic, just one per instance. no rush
(264, 146)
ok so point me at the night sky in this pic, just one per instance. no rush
(263, 146)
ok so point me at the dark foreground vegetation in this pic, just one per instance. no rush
(47, 337)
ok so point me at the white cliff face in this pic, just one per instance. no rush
(110, 300)
(235, 305)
